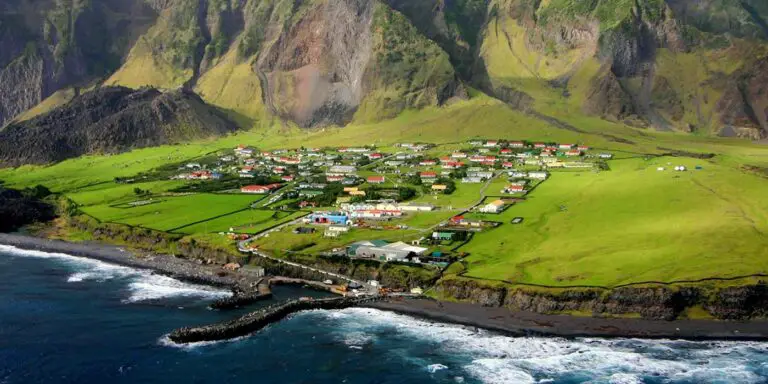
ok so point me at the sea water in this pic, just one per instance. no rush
(66, 319)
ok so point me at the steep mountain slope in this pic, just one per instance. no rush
(674, 64)
(314, 62)
(690, 65)
(109, 120)
(47, 45)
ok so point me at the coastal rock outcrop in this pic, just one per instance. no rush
(651, 302)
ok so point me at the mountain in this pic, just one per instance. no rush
(686, 65)
(110, 120)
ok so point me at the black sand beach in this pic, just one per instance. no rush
(528, 323)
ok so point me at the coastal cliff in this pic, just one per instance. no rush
(658, 302)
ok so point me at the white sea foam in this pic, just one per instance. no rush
(142, 284)
(165, 341)
(493, 358)
(432, 368)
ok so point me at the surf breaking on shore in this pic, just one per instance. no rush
(142, 284)
(494, 358)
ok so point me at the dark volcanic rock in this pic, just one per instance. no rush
(18, 209)
(110, 120)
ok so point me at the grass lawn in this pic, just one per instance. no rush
(630, 224)
(110, 193)
(251, 221)
(172, 212)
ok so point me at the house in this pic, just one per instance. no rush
(459, 155)
(335, 231)
(375, 214)
(243, 151)
(452, 165)
(334, 179)
(416, 207)
(516, 144)
(381, 250)
(255, 189)
(582, 148)
(513, 188)
(508, 164)
(539, 145)
(495, 206)
(351, 189)
(375, 156)
(538, 175)
(607, 156)
(394, 163)
(517, 174)
(475, 143)
(329, 218)
(310, 193)
(573, 153)
(443, 236)
(343, 169)
(439, 187)
(565, 146)
(481, 174)
(428, 176)
(472, 180)
(357, 193)
(376, 179)
(287, 178)
(427, 163)
(491, 143)
(307, 204)
(506, 152)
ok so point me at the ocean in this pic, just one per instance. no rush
(66, 319)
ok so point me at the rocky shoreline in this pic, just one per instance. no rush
(248, 287)
(242, 282)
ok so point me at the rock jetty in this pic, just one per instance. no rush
(257, 320)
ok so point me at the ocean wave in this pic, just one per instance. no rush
(493, 358)
(143, 285)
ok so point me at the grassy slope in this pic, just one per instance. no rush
(234, 86)
(617, 227)
(172, 212)
(631, 224)
(55, 100)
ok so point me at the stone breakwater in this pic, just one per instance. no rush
(257, 320)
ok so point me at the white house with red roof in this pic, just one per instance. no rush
(376, 179)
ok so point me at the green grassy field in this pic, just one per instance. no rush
(631, 224)
(172, 212)
(251, 221)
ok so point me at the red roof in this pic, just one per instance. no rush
(376, 179)
(457, 218)
(429, 174)
(255, 188)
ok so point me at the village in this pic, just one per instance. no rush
(415, 203)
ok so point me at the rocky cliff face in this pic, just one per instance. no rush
(48, 45)
(313, 62)
(666, 64)
(110, 120)
(651, 302)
